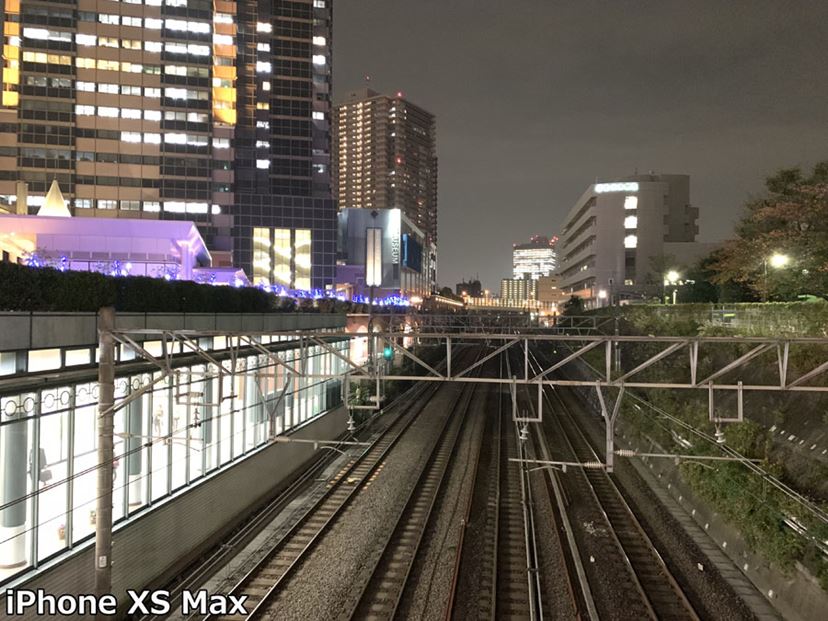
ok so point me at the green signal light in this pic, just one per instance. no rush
(388, 353)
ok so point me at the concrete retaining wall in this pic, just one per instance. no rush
(23, 331)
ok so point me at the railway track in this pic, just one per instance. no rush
(380, 595)
(636, 582)
(261, 584)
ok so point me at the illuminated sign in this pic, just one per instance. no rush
(394, 234)
(621, 186)
(373, 257)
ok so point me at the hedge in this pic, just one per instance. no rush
(45, 289)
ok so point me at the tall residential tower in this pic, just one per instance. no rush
(385, 157)
(216, 112)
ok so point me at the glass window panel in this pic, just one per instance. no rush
(302, 246)
(53, 470)
(160, 440)
(85, 459)
(16, 519)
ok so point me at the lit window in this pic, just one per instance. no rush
(85, 110)
(262, 163)
(44, 360)
(265, 86)
(222, 18)
(319, 41)
(153, 24)
(263, 47)
(262, 144)
(108, 19)
(152, 46)
(221, 39)
(174, 206)
(85, 39)
(630, 202)
(130, 113)
(152, 92)
(196, 207)
(631, 241)
(319, 4)
(631, 222)
(152, 115)
(221, 143)
(263, 124)
(152, 138)
(198, 50)
(263, 67)
(263, 27)
(131, 136)
(107, 204)
(131, 21)
(175, 93)
(108, 42)
(88, 87)
(130, 90)
(107, 111)
(318, 116)
(319, 59)
(83, 203)
(152, 206)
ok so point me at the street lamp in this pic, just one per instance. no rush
(602, 295)
(670, 278)
(777, 261)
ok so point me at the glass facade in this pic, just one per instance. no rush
(216, 112)
(175, 434)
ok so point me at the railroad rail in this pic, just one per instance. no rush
(380, 594)
(263, 581)
(642, 585)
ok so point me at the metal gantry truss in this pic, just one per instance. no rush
(715, 364)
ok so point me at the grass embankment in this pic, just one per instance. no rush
(778, 514)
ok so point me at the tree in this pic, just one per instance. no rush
(573, 306)
(792, 219)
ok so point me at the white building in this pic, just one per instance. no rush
(534, 259)
(617, 233)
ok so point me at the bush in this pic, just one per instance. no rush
(45, 289)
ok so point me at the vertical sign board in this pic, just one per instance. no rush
(373, 257)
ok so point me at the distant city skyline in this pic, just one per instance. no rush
(706, 89)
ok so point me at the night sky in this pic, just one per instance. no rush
(535, 99)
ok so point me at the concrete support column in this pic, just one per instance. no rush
(15, 466)
(106, 402)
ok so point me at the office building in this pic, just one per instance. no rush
(403, 269)
(469, 288)
(515, 291)
(385, 158)
(534, 259)
(617, 228)
(212, 112)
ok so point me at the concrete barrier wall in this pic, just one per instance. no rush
(22, 331)
(153, 548)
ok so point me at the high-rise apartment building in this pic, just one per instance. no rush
(534, 259)
(216, 112)
(385, 158)
(615, 230)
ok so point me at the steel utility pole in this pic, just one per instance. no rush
(106, 414)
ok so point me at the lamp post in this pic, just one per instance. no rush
(777, 261)
(670, 278)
